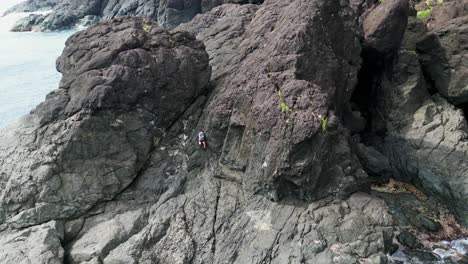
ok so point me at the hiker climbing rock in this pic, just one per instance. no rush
(202, 139)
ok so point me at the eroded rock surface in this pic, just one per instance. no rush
(91, 137)
(264, 64)
(385, 25)
(40, 244)
(264, 232)
(444, 54)
(104, 127)
(425, 136)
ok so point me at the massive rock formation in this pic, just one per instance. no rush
(265, 65)
(128, 106)
(107, 169)
(444, 58)
(91, 137)
(420, 131)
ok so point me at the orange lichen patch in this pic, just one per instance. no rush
(399, 187)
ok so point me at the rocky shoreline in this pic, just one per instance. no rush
(336, 132)
(70, 13)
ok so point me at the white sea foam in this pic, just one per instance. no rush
(461, 246)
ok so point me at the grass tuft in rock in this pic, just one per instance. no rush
(424, 14)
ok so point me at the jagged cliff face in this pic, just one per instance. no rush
(96, 131)
(419, 99)
(268, 62)
(107, 169)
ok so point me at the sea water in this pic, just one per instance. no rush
(27, 66)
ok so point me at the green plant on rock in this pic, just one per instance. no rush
(422, 15)
(284, 107)
(324, 122)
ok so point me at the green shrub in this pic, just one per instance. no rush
(324, 122)
(422, 15)
(284, 107)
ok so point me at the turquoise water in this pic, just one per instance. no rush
(27, 67)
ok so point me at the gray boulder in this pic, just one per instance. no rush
(416, 31)
(385, 25)
(171, 13)
(426, 137)
(91, 137)
(443, 56)
(39, 244)
(28, 23)
(444, 12)
(100, 239)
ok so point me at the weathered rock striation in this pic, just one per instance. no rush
(385, 25)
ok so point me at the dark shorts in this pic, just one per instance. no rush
(201, 140)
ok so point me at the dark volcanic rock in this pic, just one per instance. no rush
(282, 153)
(415, 32)
(425, 138)
(443, 56)
(89, 139)
(446, 11)
(171, 13)
(28, 23)
(68, 13)
(111, 157)
(424, 135)
(406, 238)
(114, 120)
(385, 25)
